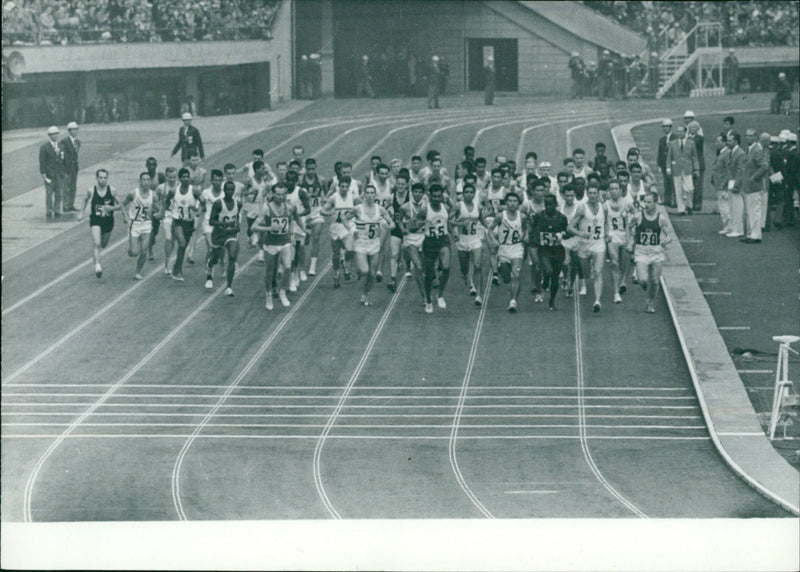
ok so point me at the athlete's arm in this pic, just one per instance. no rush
(607, 222)
(328, 208)
(305, 199)
(258, 227)
(575, 227)
(213, 219)
(296, 216)
(86, 201)
(418, 221)
(387, 217)
(125, 202)
(666, 237)
(632, 231)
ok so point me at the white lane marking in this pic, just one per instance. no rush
(376, 415)
(460, 408)
(581, 126)
(702, 264)
(360, 437)
(415, 406)
(707, 280)
(754, 371)
(371, 387)
(28, 494)
(381, 397)
(55, 281)
(691, 241)
(733, 328)
(532, 492)
(176, 469)
(367, 426)
(77, 329)
(582, 422)
(345, 392)
(741, 434)
(717, 293)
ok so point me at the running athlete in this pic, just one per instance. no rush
(255, 195)
(436, 245)
(170, 185)
(548, 230)
(184, 204)
(140, 204)
(468, 218)
(101, 216)
(413, 239)
(276, 241)
(532, 204)
(156, 179)
(346, 170)
(400, 197)
(340, 206)
(207, 198)
(384, 193)
(618, 213)
(572, 267)
(494, 197)
(590, 225)
(512, 227)
(198, 176)
(247, 171)
(230, 175)
(415, 174)
(298, 197)
(315, 187)
(368, 217)
(648, 235)
(224, 218)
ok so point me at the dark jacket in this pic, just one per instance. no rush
(70, 155)
(662, 150)
(189, 142)
(51, 163)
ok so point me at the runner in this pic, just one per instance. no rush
(184, 203)
(572, 267)
(647, 236)
(101, 216)
(435, 246)
(156, 179)
(207, 198)
(549, 228)
(276, 241)
(141, 204)
(340, 205)
(618, 212)
(224, 218)
(468, 217)
(413, 239)
(170, 185)
(298, 197)
(198, 176)
(316, 188)
(400, 197)
(513, 228)
(590, 225)
(384, 195)
(255, 194)
(532, 204)
(368, 217)
(494, 197)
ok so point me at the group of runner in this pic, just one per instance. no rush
(566, 226)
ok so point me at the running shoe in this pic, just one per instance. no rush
(209, 284)
(150, 256)
(569, 292)
(379, 276)
(551, 305)
(138, 277)
(650, 309)
(365, 301)
(478, 301)
(583, 289)
(512, 307)
(303, 276)
(270, 306)
(472, 290)
(284, 300)
(190, 260)
(392, 285)
(292, 285)
(495, 279)
(261, 256)
(229, 291)
(177, 277)
(347, 275)
(596, 307)
(617, 298)
(622, 288)
(336, 281)
(312, 272)
(408, 274)
(98, 271)
(441, 303)
(538, 298)
(428, 308)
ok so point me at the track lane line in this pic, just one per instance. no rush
(28, 492)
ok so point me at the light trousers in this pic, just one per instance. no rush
(753, 207)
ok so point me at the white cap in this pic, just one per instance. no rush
(52, 129)
(435, 58)
(774, 139)
(667, 122)
(781, 75)
(545, 164)
(186, 115)
(792, 137)
(606, 52)
(489, 58)
(72, 125)
(689, 114)
(574, 54)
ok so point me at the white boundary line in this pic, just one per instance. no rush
(372, 387)
(345, 392)
(313, 406)
(381, 397)
(365, 437)
(363, 415)
(28, 493)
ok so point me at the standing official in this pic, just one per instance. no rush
(735, 177)
(71, 145)
(51, 167)
(682, 166)
(719, 180)
(754, 172)
(488, 81)
(663, 145)
(731, 72)
(189, 141)
(434, 83)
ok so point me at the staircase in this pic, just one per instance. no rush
(698, 52)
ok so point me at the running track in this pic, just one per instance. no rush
(153, 400)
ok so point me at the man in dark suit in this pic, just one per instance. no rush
(71, 145)
(754, 172)
(663, 144)
(189, 141)
(434, 79)
(51, 167)
(683, 166)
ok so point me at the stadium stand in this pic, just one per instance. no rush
(69, 22)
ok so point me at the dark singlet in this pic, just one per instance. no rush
(397, 210)
(547, 230)
(315, 191)
(648, 232)
(97, 218)
(280, 232)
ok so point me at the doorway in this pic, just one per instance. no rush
(505, 62)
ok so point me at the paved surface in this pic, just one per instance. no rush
(732, 421)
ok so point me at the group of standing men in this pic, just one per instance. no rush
(309, 77)
(58, 166)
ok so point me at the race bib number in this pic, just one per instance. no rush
(280, 225)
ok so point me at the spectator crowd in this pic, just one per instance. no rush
(67, 22)
(749, 23)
